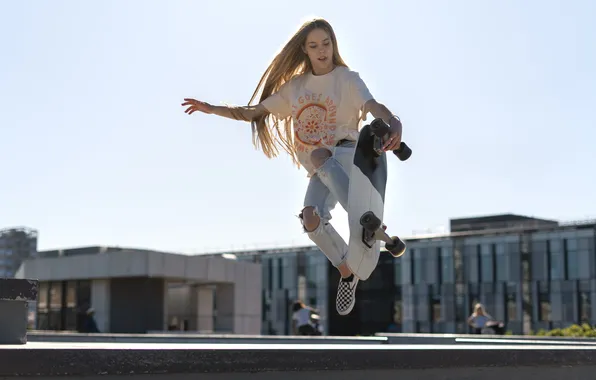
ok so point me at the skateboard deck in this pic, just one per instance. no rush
(366, 201)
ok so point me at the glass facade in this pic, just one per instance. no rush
(288, 275)
(531, 279)
(306, 274)
(62, 305)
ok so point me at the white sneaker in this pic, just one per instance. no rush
(346, 295)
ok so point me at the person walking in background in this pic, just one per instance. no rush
(302, 323)
(479, 318)
(90, 325)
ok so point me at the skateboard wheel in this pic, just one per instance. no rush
(370, 222)
(397, 248)
(379, 127)
(403, 152)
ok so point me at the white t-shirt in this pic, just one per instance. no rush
(479, 321)
(324, 109)
(302, 317)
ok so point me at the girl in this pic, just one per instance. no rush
(479, 318)
(311, 105)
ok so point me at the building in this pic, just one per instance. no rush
(16, 245)
(140, 291)
(305, 273)
(289, 274)
(530, 273)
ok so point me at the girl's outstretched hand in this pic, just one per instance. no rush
(196, 105)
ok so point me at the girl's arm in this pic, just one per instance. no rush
(245, 113)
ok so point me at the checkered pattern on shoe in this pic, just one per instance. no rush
(346, 295)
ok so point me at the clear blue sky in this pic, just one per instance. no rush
(495, 97)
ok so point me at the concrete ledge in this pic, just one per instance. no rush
(14, 289)
(484, 373)
(72, 337)
(405, 338)
(52, 359)
(14, 297)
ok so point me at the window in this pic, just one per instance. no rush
(486, 263)
(42, 321)
(571, 259)
(511, 308)
(545, 308)
(269, 274)
(471, 263)
(544, 304)
(458, 265)
(501, 262)
(585, 314)
(280, 273)
(42, 302)
(56, 295)
(397, 311)
(460, 308)
(555, 258)
(585, 248)
(540, 260)
(446, 263)
(439, 267)
(418, 267)
(569, 306)
(42, 306)
(436, 309)
(586, 244)
(83, 294)
(71, 294)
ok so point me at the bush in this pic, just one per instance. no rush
(573, 331)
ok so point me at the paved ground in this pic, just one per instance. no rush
(362, 361)
(519, 373)
(514, 345)
(490, 341)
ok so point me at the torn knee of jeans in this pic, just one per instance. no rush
(315, 219)
(319, 156)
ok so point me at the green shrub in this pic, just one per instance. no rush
(573, 331)
(555, 332)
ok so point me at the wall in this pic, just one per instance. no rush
(136, 304)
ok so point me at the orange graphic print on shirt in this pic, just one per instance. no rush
(315, 122)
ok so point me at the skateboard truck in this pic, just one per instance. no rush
(372, 230)
(380, 129)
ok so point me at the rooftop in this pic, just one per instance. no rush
(487, 225)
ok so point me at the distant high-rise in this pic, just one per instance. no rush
(16, 245)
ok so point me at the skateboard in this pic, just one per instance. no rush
(366, 201)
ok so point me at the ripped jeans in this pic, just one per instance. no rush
(328, 186)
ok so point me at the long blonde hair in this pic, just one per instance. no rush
(269, 132)
(479, 309)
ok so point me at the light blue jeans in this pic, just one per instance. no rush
(328, 186)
